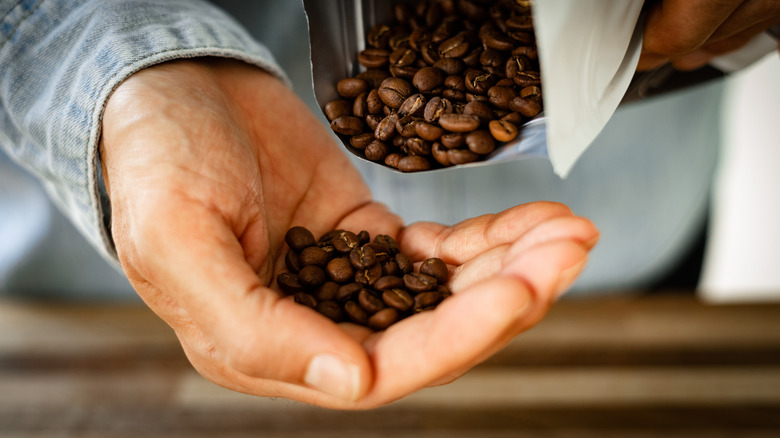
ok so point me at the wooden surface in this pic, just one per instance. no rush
(637, 367)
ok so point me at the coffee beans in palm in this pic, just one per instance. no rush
(445, 83)
(351, 277)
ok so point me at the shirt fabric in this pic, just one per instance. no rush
(644, 182)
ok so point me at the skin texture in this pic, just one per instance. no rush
(688, 33)
(209, 162)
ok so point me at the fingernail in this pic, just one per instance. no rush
(332, 375)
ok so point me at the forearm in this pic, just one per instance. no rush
(60, 62)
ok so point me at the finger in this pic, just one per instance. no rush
(750, 14)
(467, 239)
(254, 332)
(711, 50)
(574, 228)
(675, 27)
(469, 325)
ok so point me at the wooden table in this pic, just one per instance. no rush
(610, 367)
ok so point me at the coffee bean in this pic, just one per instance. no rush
(478, 82)
(356, 313)
(348, 292)
(388, 282)
(453, 140)
(292, 262)
(337, 108)
(454, 47)
(527, 106)
(360, 106)
(348, 125)
(393, 159)
(390, 268)
(419, 282)
(368, 276)
(379, 36)
(360, 141)
(405, 126)
(376, 151)
(298, 238)
(363, 237)
(345, 241)
(429, 132)
(362, 257)
(394, 91)
(412, 105)
(340, 270)
(305, 299)
(428, 78)
(461, 156)
(426, 301)
(417, 146)
(405, 264)
(331, 309)
(413, 163)
(388, 242)
(502, 130)
(435, 108)
(459, 122)
(480, 142)
(373, 58)
(327, 291)
(374, 77)
(482, 110)
(289, 283)
(311, 276)
(436, 268)
(500, 97)
(398, 298)
(314, 255)
(374, 104)
(386, 128)
(513, 118)
(439, 153)
(383, 319)
(370, 301)
(351, 87)
(450, 66)
(382, 251)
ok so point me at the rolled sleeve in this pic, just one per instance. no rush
(61, 60)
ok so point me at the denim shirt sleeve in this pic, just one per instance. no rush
(60, 60)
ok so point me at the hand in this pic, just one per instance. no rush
(689, 33)
(208, 163)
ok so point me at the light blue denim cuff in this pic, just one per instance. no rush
(60, 60)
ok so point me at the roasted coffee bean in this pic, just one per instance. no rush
(379, 36)
(370, 301)
(293, 262)
(439, 153)
(360, 141)
(427, 131)
(453, 95)
(327, 291)
(386, 128)
(502, 130)
(417, 146)
(527, 79)
(531, 91)
(362, 257)
(419, 282)
(482, 110)
(392, 160)
(459, 122)
(383, 319)
(480, 142)
(520, 23)
(356, 313)
(426, 301)
(314, 255)
(373, 58)
(472, 10)
(413, 104)
(388, 242)
(363, 237)
(351, 87)
(398, 298)
(514, 118)
(405, 264)
(345, 241)
(498, 41)
(337, 108)
(298, 238)
(388, 282)
(478, 82)
(527, 106)
(331, 310)
(368, 276)
(390, 268)
(455, 82)
(289, 283)
(450, 66)
(453, 140)
(340, 270)
(376, 151)
(360, 105)
(373, 121)
(428, 78)
(305, 299)
(413, 163)
(461, 156)
(394, 91)
(403, 57)
(500, 97)
(472, 58)
(348, 291)
(454, 47)
(398, 41)
(419, 37)
(311, 276)
(406, 127)
(374, 104)
(383, 252)
(348, 125)
(435, 108)
(436, 268)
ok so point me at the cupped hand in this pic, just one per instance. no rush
(689, 33)
(209, 162)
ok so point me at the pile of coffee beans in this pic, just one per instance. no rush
(348, 277)
(444, 84)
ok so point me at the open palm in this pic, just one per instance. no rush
(209, 162)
